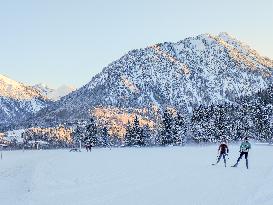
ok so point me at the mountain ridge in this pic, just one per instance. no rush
(204, 69)
(18, 101)
(54, 94)
(13, 89)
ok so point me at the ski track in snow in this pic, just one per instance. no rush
(171, 175)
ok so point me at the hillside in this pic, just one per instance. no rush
(18, 101)
(195, 71)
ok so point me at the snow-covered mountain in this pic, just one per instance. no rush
(18, 101)
(198, 70)
(54, 94)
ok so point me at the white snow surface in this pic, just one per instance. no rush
(121, 176)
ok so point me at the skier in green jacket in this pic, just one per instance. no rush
(244, 148)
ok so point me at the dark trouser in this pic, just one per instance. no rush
(224, 157)
(240, 157)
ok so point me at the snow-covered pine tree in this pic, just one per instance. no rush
(219, 123)
(203, 124)
(128, 135)
(77, 135)
(166, 129)
(179, 129)
(146, 134)
(104, 137)
(115, 141)
(263, 124)
(91, 133)
(137, 134)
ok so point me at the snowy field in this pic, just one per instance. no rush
(136, 176)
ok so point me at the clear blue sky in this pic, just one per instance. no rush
(67, 42)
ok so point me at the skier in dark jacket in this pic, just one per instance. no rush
(244, 149)
(88, 145)
(223, 152)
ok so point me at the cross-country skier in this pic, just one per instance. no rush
(223, 152)
(244, 149)
(88, 145)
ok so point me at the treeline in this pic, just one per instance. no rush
(231, 122)
(172, 130)
(251, 116)
(88, 132)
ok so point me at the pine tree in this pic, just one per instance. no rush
(263, 124)
(166, 133)
(105, 137)
(91, 133)
(137, 137)
(128, 135)
(115, 141)
(77, 135)
(179, 130)
(146, 136)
